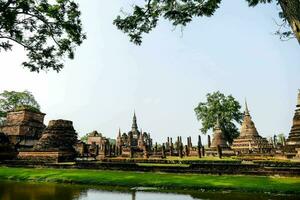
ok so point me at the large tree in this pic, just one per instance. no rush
(180, 12)
(223, 108)
(12, 100)
(48, 30)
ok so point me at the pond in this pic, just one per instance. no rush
(10, 190)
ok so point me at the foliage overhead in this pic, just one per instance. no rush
(144, 18)
(224, 108)
(14, 101)
(48, 31)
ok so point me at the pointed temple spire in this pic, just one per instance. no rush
(119, 134)
(248, 126)
(246, 108)
(134, 126)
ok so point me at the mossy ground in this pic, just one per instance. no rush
(160, 180)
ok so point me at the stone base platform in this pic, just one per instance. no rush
(46, 156)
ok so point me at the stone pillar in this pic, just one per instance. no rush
(180, 150)
(155, 149)
(105, 150)
(168, 143)
(199, 151)
(199, 141)
(96, 150)
(108, 150)
(191, 144)
(203, 151)
(171, 147)
(186, 149)
(117, 151)
(163, 149)
(178, 143)
(208, 141)
(219, 151)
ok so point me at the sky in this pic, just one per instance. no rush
(165, 78)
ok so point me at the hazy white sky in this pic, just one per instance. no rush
(164, 79)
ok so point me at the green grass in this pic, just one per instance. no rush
(160, 180)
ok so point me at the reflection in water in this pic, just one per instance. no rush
(42, 191)
(98, 195)
(35, 191)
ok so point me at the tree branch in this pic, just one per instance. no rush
(45, 22)
(6, 5)
(16, 41)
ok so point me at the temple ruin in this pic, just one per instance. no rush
(293, 141)
(25, 137)
(56, 144)
(218, 138)
(24, 127)
(135, 143)
(249, 141)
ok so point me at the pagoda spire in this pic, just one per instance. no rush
(246, 108)
(134, 126)
(119, 134)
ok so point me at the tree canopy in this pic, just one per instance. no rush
(14, 101)
(47, 30)
(144, 18)
(223, 108)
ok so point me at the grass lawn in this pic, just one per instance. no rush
(160, 180)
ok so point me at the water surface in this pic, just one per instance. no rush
(45, 191)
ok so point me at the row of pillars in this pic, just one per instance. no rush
(113, 150)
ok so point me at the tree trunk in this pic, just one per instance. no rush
(291, 10)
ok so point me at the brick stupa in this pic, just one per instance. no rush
(293, 140)
(218, 138)
(56, 144)
(249, 140)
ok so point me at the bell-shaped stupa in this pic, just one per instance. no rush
(293, 140)
(218, 137)
(249, 141)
